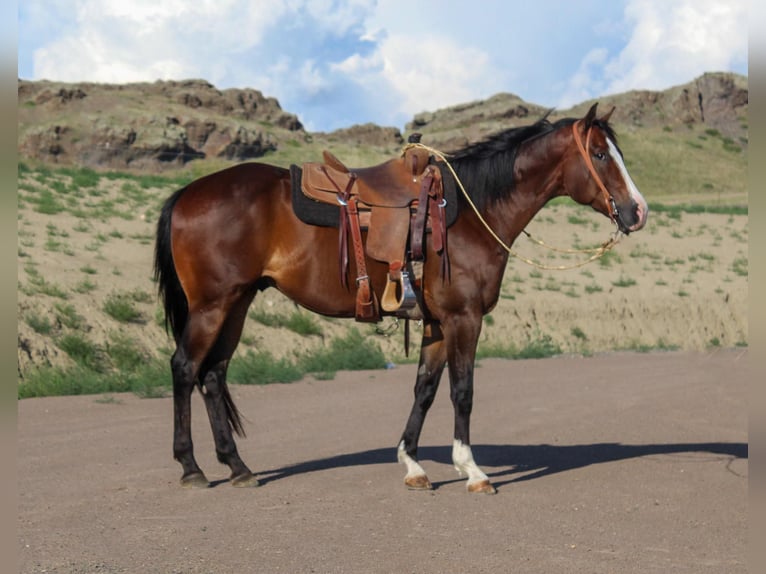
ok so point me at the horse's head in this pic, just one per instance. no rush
(597, 176)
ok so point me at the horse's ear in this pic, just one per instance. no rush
(607, 115)
(590, 116)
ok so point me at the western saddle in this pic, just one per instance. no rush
(396, 201)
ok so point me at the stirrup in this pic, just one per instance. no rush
(398, 280)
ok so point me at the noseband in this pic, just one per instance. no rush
(610, 204)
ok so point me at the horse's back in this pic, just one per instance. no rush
(242, 182)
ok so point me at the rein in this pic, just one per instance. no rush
(596, 252)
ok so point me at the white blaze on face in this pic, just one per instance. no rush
(643, 208)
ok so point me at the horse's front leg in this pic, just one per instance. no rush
(462, 336)
(432, 359)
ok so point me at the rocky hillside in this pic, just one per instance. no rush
(716, 100)
(147, 125)
(169, 124)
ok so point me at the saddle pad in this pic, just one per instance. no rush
(309, 210)
(323, 214)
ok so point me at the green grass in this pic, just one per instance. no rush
(262, 368)
(578, 333)
(39, 322)
(660, 345)
(81, 177)
(739, 266)
(351, 352)
(124, 353)
(38, 285)
(540, 347)
(67, 315)
(121, 307)
(123, 366)
(624, 282)
(84, 286)
(297, 322)
(84, 352)
(150, 379)
(577, 220)
(675, 210)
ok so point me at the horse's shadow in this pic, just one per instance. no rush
(516, 463)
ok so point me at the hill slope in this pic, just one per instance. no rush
(86, 298)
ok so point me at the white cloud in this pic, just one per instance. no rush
(440, 72)
(584, 84)
(673, 42)
(406, 79)
(670, 43)
(353, 61)
(113, 40)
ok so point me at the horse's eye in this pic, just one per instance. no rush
(601, 155)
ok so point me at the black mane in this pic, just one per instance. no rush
(485, 168)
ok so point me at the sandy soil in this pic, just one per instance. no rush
(680, 283)
(622, 462)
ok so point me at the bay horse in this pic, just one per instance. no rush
(226, 236)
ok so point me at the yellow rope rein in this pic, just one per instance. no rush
(596, 252)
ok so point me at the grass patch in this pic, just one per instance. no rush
(348, 353)
(674, 211)
(67, 315)
(352, 352)
(39, 286)
(46, 203)
(539, 348)
(84, 352)
(608, 258)
(739, 266)
(262, 368)
(39, 322)
(577, 220)
(660, 345)
(297, 322)
(120, 307)
(81, 177)
(624, 282)
(150, 379)
(85, 286)
(578, 333)
(125, 353)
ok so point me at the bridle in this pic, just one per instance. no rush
(610, 204)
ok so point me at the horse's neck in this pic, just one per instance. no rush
(535, 183)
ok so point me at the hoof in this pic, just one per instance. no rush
(194, 480)
(420, 482)
(481, 487)
(246, 480)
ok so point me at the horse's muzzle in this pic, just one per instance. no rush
(632, 218)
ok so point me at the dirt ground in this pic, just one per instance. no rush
(621, 462)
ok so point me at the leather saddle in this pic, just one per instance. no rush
(397, 202)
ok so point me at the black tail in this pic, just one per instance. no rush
(171, 293)
(174, 299)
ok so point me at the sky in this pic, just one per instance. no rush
(336, 63)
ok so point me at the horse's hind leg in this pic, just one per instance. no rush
(199, 335)
(223, 415)
(184, 376)
(431, 366)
